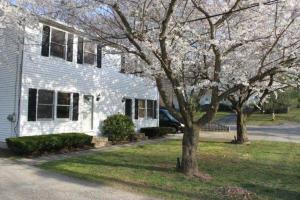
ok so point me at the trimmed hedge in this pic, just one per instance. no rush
(154, 132)
(37, 145)
(118, 128)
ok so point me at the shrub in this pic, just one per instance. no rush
(118, 127)
(154, 132)
(37, 145)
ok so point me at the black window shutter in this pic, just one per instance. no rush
(128, 108)
(80, 51)
(155, 109)
(32, 104)
(70, 47)
(99, 56)
(75, 107)
(46, 41)
(136, 110)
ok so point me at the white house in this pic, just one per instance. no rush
(59, 81)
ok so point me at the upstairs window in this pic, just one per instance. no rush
(63, 105)
(89, 53)
(58, 46)
(57, 43)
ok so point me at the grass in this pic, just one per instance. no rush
(271, 170)
(293, 116)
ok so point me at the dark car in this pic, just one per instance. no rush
(166, 119)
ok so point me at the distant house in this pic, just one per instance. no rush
(60, 81)
(167, 88)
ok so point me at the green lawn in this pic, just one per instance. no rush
(270, 170)
(266, 119)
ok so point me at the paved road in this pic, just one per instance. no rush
(25, 182)
(285, 132)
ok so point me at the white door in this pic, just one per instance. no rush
(88, 112)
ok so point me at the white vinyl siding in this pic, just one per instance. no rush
(51, 73)
(9, 59)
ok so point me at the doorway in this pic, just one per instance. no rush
(88, 112)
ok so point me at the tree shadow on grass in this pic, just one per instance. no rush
(278, 193)
(124, 164)
(135, 186)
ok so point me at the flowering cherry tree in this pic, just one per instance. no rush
(200, 46)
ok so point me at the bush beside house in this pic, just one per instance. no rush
(118, 128)
(37, 145)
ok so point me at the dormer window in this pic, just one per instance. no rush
(57, 43)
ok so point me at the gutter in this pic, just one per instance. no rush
(19, 93)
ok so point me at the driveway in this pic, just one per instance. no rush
(25, 182)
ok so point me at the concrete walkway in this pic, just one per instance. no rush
(21, 180)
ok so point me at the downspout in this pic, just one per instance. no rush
(19, 87)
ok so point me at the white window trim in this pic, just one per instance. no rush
(146, 110)
(70, 107)
(153, 109)
(54, 108)
(145, 113)
(83, 51)
(66, 42)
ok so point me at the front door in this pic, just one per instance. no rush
(88, 112)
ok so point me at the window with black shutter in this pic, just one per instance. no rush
(58, 44)
(80, 51)
(128, 108)
(150, 109)
(99, 56)
(89, 54)
(70, 47)
(155, 109)
(32, 104)
(46, 41)
(45, 105)
(63, 106)
(75, 107)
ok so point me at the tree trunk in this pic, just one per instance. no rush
(189, 164)
(241, 132)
